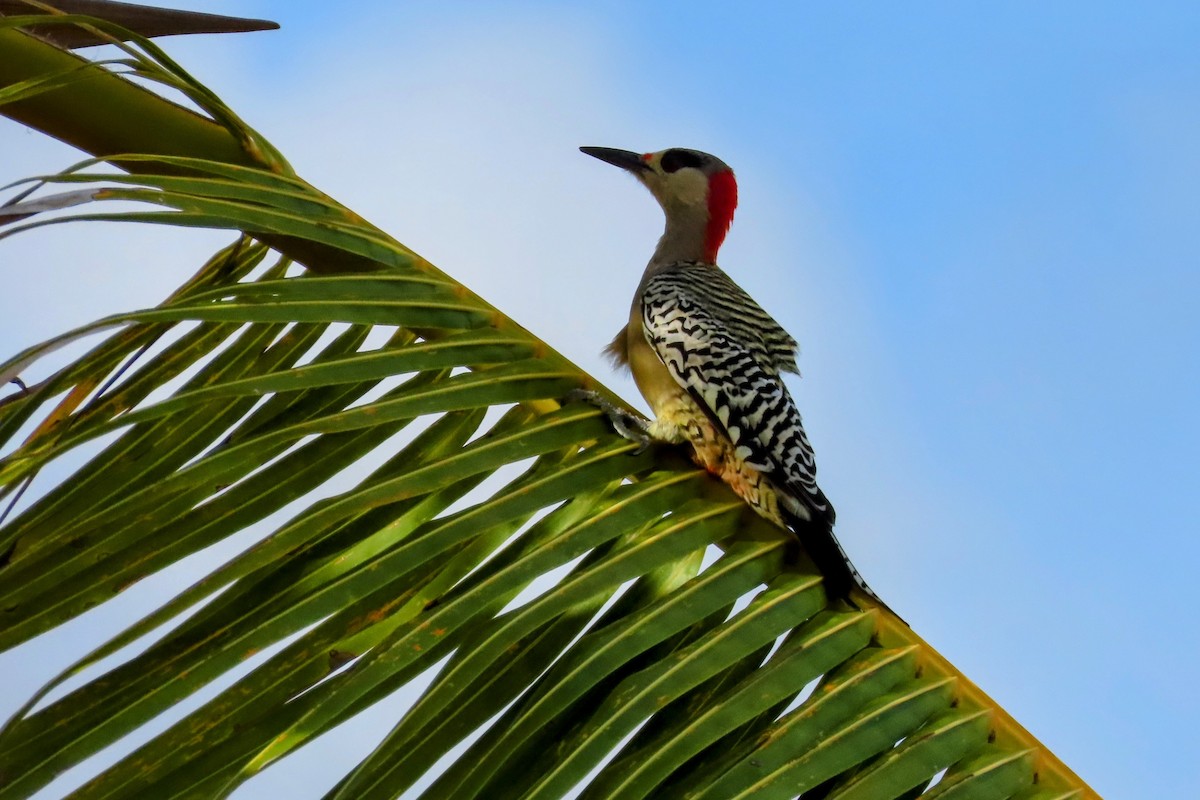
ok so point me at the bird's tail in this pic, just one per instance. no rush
(842, 580)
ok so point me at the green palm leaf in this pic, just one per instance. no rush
(558, 577)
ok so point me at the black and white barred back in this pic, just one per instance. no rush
(727, 352)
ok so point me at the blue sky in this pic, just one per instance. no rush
(980, 221)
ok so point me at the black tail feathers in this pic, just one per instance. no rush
(817, 539)
(841, 578)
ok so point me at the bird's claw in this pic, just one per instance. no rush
(631, 428)
(626, 424)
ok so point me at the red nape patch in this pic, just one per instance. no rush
(722, 200)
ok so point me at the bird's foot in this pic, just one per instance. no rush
(628, 425)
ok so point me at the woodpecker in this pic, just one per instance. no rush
(708, 359)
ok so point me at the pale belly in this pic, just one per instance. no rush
(653, 379)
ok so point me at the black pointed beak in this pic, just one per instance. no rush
(618, 158)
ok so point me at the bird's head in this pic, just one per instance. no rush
(691, 187)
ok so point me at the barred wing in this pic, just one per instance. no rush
(742, 318)
(709, 340)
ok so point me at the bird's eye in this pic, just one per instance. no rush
(675, 160)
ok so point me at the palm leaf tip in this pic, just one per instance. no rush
(148, 21)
